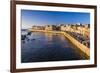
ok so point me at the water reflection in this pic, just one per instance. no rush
(48, 36)
(41, 47)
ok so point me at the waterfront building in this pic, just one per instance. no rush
(50, 27)
(65, 27)
(38, 27)
(84, 30)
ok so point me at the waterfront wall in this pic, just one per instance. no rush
(80, 46)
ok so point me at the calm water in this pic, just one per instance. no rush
(41, 47)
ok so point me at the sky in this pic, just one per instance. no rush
(36, 17)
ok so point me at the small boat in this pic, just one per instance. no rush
(29, 33)
(23, 37)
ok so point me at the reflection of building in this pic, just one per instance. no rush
(49, 36)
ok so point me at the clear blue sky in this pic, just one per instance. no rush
(34, 17)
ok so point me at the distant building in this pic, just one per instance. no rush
(50, 27)
(77, 28)
(66, 27)
(38, 27)
(63, 28)
(83, 29)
